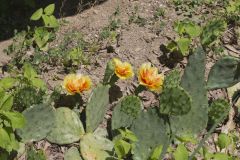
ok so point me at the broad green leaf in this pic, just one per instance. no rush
(7, 83)
(49, 9)
(39, 83)
(6, 101)
(46, 20)
(28, 71)
(50, 21)
(181, 153)
(224, 141)
(193, 30)
(183, 45)
(172, 46)
(221, 156)
(53, 22)
(129, 135)
(72, 154)
(5, 140)
(179, 27)
(156, 153)
(15, 118)
(14, 144)
(122, 148)
(37, 15)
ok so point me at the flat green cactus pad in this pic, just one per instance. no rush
(95, 147)
(72, 154)
(67, 127)
(97, 107)
(151, 132)
(193, 81)
(175, 101)
(125, 112)
(39, 122)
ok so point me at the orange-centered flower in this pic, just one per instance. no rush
(76, 83)
(148, 76)
(123, 69)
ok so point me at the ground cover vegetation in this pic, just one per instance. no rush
(55, 102)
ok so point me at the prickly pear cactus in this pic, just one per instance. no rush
(109, 72)
(225, 73)
(151, 131)
(125, 112)
(175, 101)
(96, 107)
(27, 96)
(95, 147)
(194, 83)
(67, 127)
(72, 154)
(172, 79)
(216, 109)
(39, 122)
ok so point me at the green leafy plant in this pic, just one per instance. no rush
(124, 143)
(46, 15)
(136, 18)
(32, 154)
(212, 31)
(41, 37)
(187, 31)
(9, 122)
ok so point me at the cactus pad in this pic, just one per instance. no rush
(67, 127)
(224, 73)
(175, 101)
(72, 154)
(151, 132)
(125, 112)
(96, 107)
(172, 79)
(193, 82)
(216, 109)
(39, 122)
(95, 147)
(109, 72)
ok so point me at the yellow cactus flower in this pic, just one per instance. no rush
(76, 83)
(123, 69)
(148, 76)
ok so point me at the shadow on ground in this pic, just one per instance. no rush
(15, 14)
